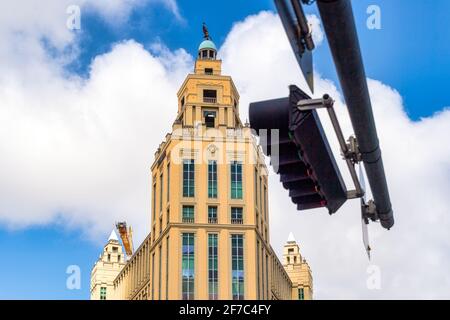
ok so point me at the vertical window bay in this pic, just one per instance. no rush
(236, 180)
(212, 266)
(188, 178)
(237, 266)
(188, 272)
(212, 179)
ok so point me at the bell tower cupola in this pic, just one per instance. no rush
(207, 62)
(207, 49)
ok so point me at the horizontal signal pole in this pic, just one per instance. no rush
(338, 21)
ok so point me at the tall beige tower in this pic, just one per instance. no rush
(210, 223)
(106, 269)
(298, 270)
(209, 234)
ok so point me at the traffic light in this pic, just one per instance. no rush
(299, 151)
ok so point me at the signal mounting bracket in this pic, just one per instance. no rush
(352, 156)
(349, 148)
(369, 211)
(353, 152)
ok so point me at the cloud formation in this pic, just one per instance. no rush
(78, 151)
(413, 257)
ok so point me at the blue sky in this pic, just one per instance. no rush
(407, 53)
(410, 53)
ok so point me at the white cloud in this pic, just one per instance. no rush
(82, 148)
(257, 46)
(31, 21)
(78, 151)
(316, 28)
(119, 10)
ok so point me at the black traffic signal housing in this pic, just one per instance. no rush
(299, 151)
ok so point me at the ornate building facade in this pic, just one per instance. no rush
(209, 234)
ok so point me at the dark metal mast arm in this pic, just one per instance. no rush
(338, 21)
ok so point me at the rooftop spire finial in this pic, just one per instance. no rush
(113, 236)
(291, 237)
(205, 32)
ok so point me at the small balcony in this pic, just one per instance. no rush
(188, 220)
(209, 100)
(236, 221)
(212, 220)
